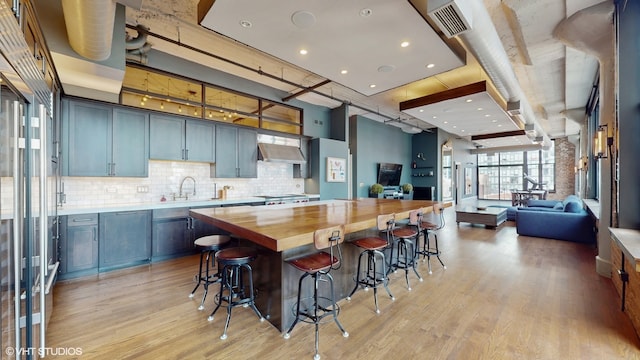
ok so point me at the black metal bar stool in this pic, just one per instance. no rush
(317, 266)
(373, 247)
(231, 262)
(428, 228)
(404, 242)
(208, 246)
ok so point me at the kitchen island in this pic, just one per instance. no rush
(282, 232)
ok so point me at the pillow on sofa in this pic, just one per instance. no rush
(559, 206)
(573, 207)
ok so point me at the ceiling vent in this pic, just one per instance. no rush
(450, 16)
(513, 108)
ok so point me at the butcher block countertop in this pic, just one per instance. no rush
(287, 226)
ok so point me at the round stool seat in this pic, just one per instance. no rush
(236, 255)
(404, 232)
(371, 243)
(212, 242)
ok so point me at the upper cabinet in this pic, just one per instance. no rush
(236, 153)
(174, 138)
(101, 140)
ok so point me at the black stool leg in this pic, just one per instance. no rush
(385, 279)
(358, 281)
(223, 282)
(295, 321)
(335, 305)
(198, 276)
(229, 283)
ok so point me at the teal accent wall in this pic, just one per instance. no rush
(372, 142)
(317, 183)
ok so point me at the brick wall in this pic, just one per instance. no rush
(565, 169)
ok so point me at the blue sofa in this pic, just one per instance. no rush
(562, 220)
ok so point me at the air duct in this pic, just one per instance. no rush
(484, 43)
(90, 27)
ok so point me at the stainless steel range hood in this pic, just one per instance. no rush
(280, 153)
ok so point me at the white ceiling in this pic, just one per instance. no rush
(555, 80)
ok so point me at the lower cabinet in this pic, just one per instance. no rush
(125, 239)
(78, 245)
(174, 232)
(171, 233)
(92, 243)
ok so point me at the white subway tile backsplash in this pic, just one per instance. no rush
(165, 177)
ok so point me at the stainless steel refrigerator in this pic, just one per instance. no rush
(28, 261)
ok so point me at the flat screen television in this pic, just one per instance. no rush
(389, 174)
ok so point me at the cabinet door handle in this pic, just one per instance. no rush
(186, 154)
(82, 220)
(113, 169)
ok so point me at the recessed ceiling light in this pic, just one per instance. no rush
(469, 100)
(494, 121)
(421, 110)
(487, 115)
(303, 51)
(404, 44)
(446, 122)
(429, 66)
(246, 24)
(344, 71)
(372, 86)
(435, 117)
(480, 109)
(366, 12)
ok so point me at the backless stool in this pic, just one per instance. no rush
(404, 243)
(317, 266)
(428, 228)
(373, 247)
(231, 262)
(208, 246)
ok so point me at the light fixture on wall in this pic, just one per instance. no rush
(582, 164)
(602, 142)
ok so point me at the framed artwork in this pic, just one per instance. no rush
(336, 169)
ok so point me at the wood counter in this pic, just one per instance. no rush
(282, 232)
(283, 227)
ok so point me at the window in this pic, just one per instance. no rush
(499, 173)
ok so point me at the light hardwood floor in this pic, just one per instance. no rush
(502, 296)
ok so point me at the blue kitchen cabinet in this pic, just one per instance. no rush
(78, 245)
(174, 138)
(236, 153)
(125, 239)
(101, 140)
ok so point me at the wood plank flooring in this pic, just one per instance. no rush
(502, 296)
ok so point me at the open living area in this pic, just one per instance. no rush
(214, 179)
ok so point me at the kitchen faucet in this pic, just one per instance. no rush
(182, 183)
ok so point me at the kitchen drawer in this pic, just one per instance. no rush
(170, 213)
(82, 220)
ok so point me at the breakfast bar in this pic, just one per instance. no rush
(281, 232)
